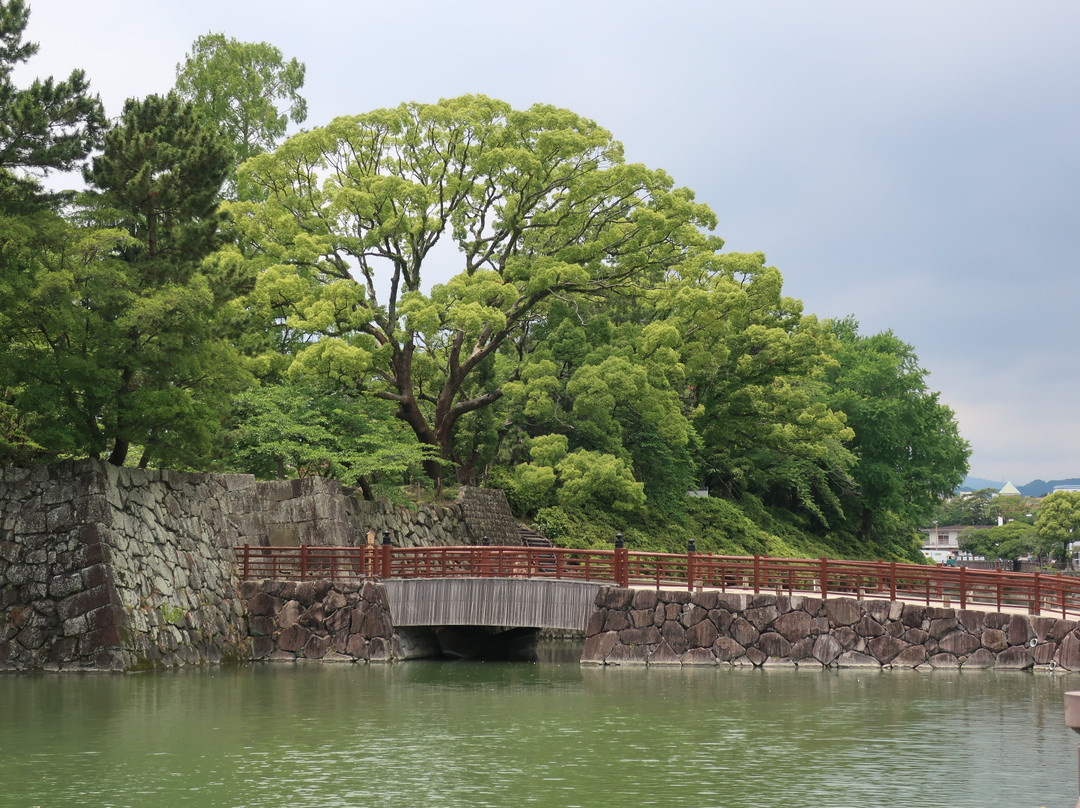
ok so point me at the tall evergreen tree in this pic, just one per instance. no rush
(50, 125)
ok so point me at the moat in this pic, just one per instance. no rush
(549, 734)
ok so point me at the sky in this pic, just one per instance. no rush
(913, 163)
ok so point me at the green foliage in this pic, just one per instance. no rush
(50, 125)
(239, 86)
(1006, 542)
(966, 508)
(296, 429)
(538, 203)
(910, 453)
(1058, 522)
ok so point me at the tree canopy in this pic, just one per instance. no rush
(452, 289)
(50, 125)
(525, 206)
(247, 88)
(1058, 521)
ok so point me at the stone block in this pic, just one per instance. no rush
(940, 626)
(843, 611)
(886, 648)
(943, 660)
(855, 659)
(1044, 653)
(802, 649)
(1068, 653)
(698, 656)
(1016, 657)
(702, 635)
(756, 656)
(775, 645)
(971, 620)
(1019, 631)
(650, 635)
(827, 649)
(846, 636)
(761, 617)
(645, 599)
(994, 639)
(726, 649)
(628, 655)
(596, 622)
(913, 615)
(959, 643)
(707, 600)
(793, 626)
(663, 654)
(869, 627)
(616, 620)
(598, 646)
(743, 632)
(293, 638)
(978, 660)
(675, 636)
(692, 615)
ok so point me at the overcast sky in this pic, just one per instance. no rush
(915, 164)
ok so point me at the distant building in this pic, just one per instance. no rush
(1009, 490)
(943, 542)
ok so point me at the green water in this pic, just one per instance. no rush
(547, 734)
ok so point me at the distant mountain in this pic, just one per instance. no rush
(1036, 488)
(1040, 488)
(976, 483)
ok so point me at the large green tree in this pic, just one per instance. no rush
(754, 365)
(50, 125)
(248, 88)
(509, 208)
(910, 452)
(1058, 522)
(112, 340)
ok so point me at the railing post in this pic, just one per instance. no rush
(963, 587)
(386, 547)
(757, 573)
(247, 560)
(691, 551)
(1037, 596)
(621, 563)
(1000, 573)
(303, 561)
(892, 581)
(824, 578)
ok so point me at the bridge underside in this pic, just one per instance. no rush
(504, 602)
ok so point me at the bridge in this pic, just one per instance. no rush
(546, 586)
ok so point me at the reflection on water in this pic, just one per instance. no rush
(548, 734)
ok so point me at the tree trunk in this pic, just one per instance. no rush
(120, 451)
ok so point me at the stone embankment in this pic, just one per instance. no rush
(332, 622)
(105, 568)
(116, 569)
(661, 627)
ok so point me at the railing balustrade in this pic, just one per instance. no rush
(959, 586)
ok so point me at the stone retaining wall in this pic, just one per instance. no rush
(116, 569)
(654, 627)
(332, 622)
(121, 569)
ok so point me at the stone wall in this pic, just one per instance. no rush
(121, 569)
(116, 569)
(646, 626)
(332, 622)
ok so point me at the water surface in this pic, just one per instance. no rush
(547, 734)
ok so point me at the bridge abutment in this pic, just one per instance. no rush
(673, 627)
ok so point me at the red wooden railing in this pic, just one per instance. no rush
(956, 586)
